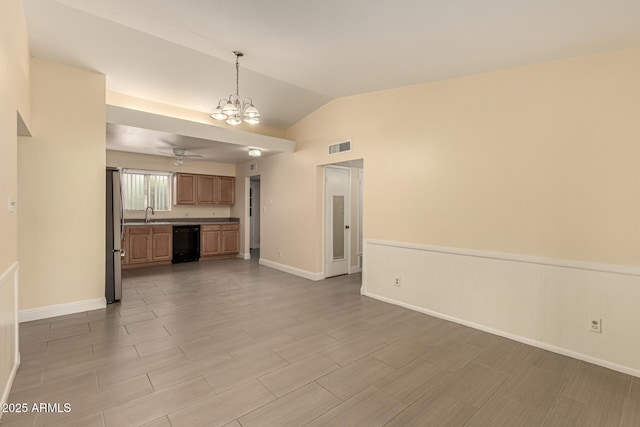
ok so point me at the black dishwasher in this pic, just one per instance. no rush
(186, 243)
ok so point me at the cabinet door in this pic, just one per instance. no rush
(230, 241)
(210, 240)
(139, 245)
(185, 189)
(205, 186)
(124, 244)
(226, 186)
(162, 249)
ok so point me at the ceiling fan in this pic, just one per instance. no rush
(180, 155)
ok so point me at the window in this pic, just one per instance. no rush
(146, 188)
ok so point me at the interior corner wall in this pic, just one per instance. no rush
(61, 180)
(288, 219)
(15, 100)
(536, 163)
(240, 209)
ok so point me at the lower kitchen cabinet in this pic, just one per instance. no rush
(210, 240)
(230, 239)
(147, 245)
(162, 249)
(139, 245)
(219, 241)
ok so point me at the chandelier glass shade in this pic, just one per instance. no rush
(232, 110)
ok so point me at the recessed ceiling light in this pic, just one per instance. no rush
(255, 152)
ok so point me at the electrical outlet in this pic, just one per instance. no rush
(595, 325)
(397, 281)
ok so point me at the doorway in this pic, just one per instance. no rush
(337, 205)
(254, 216)
(343, 218)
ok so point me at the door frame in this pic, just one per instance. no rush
(325, 221)
(255, 216)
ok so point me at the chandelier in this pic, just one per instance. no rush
(231, 110)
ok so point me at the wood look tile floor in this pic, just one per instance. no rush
(233, 343)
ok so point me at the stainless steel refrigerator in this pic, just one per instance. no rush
(114, 230)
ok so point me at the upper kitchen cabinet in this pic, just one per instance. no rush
(226, 190)
(184, 189)
(205, 190)
(193, 189)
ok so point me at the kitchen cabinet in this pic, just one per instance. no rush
(161, 249)
(147, 245)
(226, 186)
(205, 189)
(184, 189)
(124, 258)
(210, 240)
(195, 189)
(219, 240)
(139, 245)
(230, 239)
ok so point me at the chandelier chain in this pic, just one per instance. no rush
(237, 77)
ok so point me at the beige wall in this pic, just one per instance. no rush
(536, 164)
(289, 230)
(14, 100)
(14, 87)
(61, 183)
(538, 160)
(122, 159)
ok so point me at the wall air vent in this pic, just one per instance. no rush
(253, 167)
(340, 147)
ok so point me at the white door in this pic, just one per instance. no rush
(336, 221)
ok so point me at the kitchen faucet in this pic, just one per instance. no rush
(146, 213)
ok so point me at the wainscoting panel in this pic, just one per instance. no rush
(9, 358)
(540, 301)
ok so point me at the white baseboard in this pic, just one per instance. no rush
(524, 340)
(61, 309)
(292, 270)
(246, 255)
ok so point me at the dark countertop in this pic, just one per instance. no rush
(182, 221)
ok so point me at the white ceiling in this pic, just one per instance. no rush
(146, 133)
(299, 54)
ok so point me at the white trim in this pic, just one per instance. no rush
(292, 270)
(7, 389)
(355, 269)
(246, 255)
(61, 309)
(555, 262)
(529, 341)
(4, 278)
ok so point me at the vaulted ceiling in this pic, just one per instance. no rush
(300, 54)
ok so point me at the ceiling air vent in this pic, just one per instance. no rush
(253, 167)
(340, 147)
